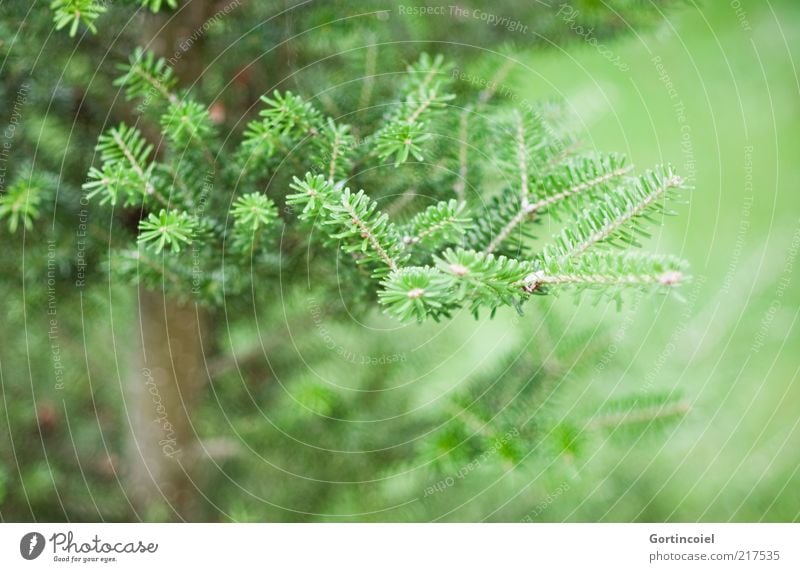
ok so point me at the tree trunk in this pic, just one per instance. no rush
(164, 387)
(169, 373)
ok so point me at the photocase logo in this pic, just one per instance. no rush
(31, 545)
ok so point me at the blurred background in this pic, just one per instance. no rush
(317, 413)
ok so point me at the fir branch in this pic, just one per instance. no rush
(259, 142)
(155, 5)
(125, 144)
(20, 203)
(522, 157)
(478, 274)
(577, 176)
(288, 113)
(639, 410)
(313, 194)
(648, 415)
(126, 167)
(428, 68)
(400, 140)
(185, 122)
(497, 79)
(73, 12)
(555, 188)
(606, 269)
(109, 181)
(285, 122)
(133, 152)
(463, 133)
(404, 131)
(367, 232)
(335, 149)
(167, 229)
(362, 227)
(146, 74)
(495, 217)
(483, 280)
(425, 100)
(253, 211)
(416, 292)
(369, 74)
(608, 219)
(252, 214)
(439, 224)
(501, 236)
(527, 143)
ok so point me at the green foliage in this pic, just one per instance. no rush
(456, 185)
(401, 139)
(408, 124)
(634, 414)
(498, 225)
(460, 278)
(581, 179)
(167, 229)
(484, 280)
(363, 230)
(287, 113)
(335, 149)
(620, 216)
(21, 203)
(126, 168)
(285, 124)
(259, 143)
(539, 176)
(187, 122)
(252, 214)
(156, 5)
(606, 270)
(312, 195)
(529, 144)
(23, 199)
(74, 12)
(147, 76)
(415, 292)
(438, 225)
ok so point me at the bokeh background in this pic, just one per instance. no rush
(327, 420)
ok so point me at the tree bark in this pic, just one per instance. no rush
(165, 385)
(168, 374)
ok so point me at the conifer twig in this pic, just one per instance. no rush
(140, 172)
(540, 278)
(335, 149)
(497, 79)
(369, 76)
(427, 99)
(591, 183)
(636, 209)
(366, 232)
(400, 202)
(522, 156)
(463, 132)
(506, 231)
(638, 416)
(528, 210)
(157, 85)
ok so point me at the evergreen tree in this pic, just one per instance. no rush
(409, 190)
